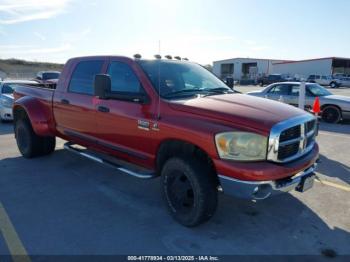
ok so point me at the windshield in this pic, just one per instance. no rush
(179, 79)
(7, 88)
(53, 75)
(318, 90)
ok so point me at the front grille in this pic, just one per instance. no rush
(294, 139)
(290, 133)
(288, 150)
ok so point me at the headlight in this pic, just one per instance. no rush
(242, 146)
(6, 102)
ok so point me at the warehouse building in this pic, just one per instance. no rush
(319, 66)
(243, 68)
(251, 69)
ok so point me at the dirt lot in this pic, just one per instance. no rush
(63, 204)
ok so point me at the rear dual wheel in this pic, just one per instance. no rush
(30, 144)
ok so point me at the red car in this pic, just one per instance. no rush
(172, 119)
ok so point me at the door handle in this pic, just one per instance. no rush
(103, 109)
(65, 101)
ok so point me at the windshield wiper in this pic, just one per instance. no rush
(218, 90)
(184, 91)
(207, 91)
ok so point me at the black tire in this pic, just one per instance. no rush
(333, 85)
(190, 191)
(261, 83)
(48, 145)
(331, 114)
(30, 144)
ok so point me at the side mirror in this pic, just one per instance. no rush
(102, 85)
(230, 82)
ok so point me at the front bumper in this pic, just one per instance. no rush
(263, 189)
(6, 113)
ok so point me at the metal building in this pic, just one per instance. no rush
(243, 68)
(250, 68)
(319, 66)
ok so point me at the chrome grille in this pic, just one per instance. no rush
(292, 138)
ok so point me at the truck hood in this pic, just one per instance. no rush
(239, 110)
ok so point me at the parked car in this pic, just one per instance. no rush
(270, 79)
(47, 77)
(324, 80)
(6, 97)
(333, 107)
(340, 76)
(172, 119)
(345, 81)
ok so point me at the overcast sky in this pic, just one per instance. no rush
(202, 30)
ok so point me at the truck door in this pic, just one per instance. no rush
(73, 108)
(124, 123)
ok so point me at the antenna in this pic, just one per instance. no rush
(158, 115)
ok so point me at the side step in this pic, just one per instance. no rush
(126, 168)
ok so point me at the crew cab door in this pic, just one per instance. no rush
(74, 110)
(124, 123)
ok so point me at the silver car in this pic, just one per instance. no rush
(6, 97)
(345, 81)
(333, 107)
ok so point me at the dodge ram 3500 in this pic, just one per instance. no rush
(172, 119)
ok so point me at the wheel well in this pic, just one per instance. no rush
(19, 113)
(327, 105)
(182, 149)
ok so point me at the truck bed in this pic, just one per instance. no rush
(40, 98)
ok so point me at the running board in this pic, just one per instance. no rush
(145, 174)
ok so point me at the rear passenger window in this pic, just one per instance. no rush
(124, 79)
(295, 90)
(83, 76)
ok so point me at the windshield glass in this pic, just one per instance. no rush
(318, 90)
(175, 78)
(8, 88)
(52, 75)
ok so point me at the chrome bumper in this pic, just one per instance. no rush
(263, 189)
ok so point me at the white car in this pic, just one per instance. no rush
(324, 80)
(6, 97)
(334, 107)
(345, 81)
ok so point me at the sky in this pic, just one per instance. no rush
(202, 30)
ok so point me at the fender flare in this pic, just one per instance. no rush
(39, 115)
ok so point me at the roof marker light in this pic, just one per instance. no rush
(168, 57)
(158, 56)
(177, 57)
(137, 56)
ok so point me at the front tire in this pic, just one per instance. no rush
(190, 191)
(30, 144)
(331, 114)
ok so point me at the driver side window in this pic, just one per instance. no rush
(123, 79)
(279, 90)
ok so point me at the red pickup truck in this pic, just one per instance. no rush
(172, 119)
